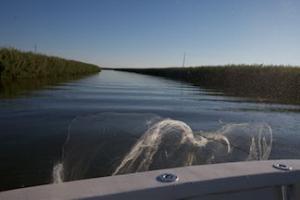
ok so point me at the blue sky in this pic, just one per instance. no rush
(156, 33)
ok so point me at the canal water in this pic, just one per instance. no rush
(119, 122)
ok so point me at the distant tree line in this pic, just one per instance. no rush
(265, 83)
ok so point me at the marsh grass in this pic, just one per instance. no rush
(15, 64)
(21, 72)
(264, 83)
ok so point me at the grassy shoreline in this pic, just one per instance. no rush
(21, 72)
(15, 64)
(264, 83)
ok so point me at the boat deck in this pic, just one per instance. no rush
(238, 180)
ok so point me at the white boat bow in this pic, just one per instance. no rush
(271, 179)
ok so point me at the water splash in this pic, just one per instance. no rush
(249, 141)
(170, 143)
(261, 145)
(58, 169)
(94, 142)
(116, 143)
(58, 173)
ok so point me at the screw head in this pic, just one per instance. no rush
(167, 178)
(282, 167)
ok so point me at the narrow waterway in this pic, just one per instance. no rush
(107, 124)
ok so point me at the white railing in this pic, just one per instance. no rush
(272, 179)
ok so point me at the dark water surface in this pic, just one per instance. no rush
(90, 125)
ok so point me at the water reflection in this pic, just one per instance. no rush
(17, 88)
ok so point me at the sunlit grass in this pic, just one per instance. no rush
(15, 64)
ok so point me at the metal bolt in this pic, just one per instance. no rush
(167, 178)
(283, 167)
